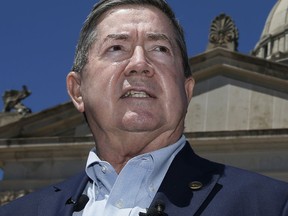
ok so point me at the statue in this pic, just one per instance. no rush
(223, 33)
(12, 100)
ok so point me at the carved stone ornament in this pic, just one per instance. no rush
(8, 196)
(223, 33)
(12, 100)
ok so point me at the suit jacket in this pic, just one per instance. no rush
(191, 186)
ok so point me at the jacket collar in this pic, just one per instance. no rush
(190, 183)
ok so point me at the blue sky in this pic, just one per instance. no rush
(38, 39)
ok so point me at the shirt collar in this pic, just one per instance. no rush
(162, 159)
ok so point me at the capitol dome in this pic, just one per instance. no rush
(273, 43)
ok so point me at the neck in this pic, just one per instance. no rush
(119, 149)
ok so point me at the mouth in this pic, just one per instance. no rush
(136, 94)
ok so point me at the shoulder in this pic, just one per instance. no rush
(230, 175)
(244, 177)
(29, 204)
(254, 192)
(239, 181)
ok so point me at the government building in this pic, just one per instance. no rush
(238, 115)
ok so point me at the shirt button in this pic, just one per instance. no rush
(103, 169)
(120, 204)
(151, 188)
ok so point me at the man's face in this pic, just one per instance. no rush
(134, 80)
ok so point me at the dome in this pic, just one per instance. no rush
(273, 43)
(277, 20)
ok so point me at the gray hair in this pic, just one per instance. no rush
(88, 32)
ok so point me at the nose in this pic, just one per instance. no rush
(138, 64)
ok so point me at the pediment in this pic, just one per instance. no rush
(61, 120)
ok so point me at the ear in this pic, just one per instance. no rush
(73, 82)
(189, 86)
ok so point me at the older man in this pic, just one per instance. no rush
(132, 81)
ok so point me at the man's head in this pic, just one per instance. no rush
(89, 30)
(131, 82)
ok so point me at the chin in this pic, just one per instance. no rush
(139, 125)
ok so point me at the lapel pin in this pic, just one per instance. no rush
(195, 185)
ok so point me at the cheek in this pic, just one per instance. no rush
(100, 79)
(100, 89)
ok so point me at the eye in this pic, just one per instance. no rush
(162, 49)
(115, 48)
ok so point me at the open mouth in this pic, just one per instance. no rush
(136, 94)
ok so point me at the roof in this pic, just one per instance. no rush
(247, 68)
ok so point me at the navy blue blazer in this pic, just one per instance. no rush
(224, 191)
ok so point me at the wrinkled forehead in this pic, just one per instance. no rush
(141, 17)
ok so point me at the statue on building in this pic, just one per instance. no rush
(12, 100)
(223, 33)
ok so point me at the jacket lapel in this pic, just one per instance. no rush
(190, 184)
(62, 197)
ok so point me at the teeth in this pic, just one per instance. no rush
(136, 94)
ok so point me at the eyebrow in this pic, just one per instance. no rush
(157, 36)
(116, 37)
(151, 36)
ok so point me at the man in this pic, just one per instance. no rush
(132, 81)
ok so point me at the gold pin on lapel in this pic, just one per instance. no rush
(195, 185)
